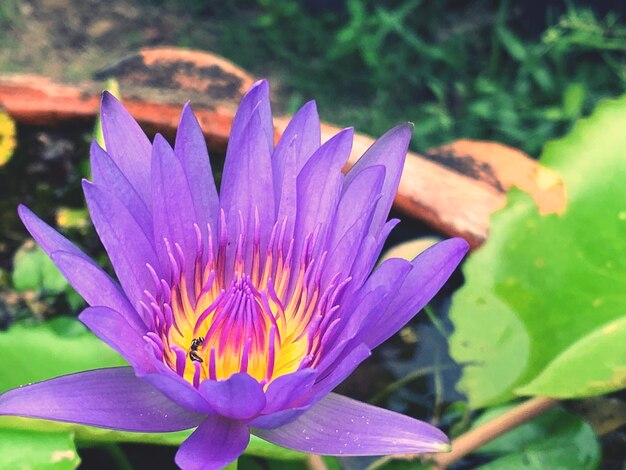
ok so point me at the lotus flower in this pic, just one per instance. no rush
(240, 313)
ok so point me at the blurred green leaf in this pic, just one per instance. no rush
(546, 294)
(555, 440)
(573, 100)
(34, 352)
(33, 270)
(37, 450)
(512, 44)
(74, 300)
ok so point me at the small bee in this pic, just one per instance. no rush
(193, 349)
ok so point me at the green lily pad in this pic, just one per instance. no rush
(33, 270)
(606, 346)
(556, 440)
(34, 352)
(37, 450)
(542, 293)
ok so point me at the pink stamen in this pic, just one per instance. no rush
(212, 366)
(245, 355)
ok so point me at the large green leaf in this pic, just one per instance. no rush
(34, 352)
(556, 440)
(37, 450)
(544, 294)
(605, 346)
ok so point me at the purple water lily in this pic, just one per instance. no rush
(239, 313)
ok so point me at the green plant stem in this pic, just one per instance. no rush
(392, 387)
(118, 456)
(438, 386)
(434, 319)
(477, 437)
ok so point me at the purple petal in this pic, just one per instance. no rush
(111, 327)
(46, 237)
(389, 150)
(364, 307)
(369, 252)
(319, 186)
(365, 187)
(106, 174)
(175, 388)
(191, 149)
(172, 205)
(287, 198)
(238, 397)
(89, 280)
(127, 144)
(353, 317)
(217, 442)
(385, 280)
(280, 418)
(332, 373)
(353, 219)
(123, 239)
(96, 287)
(286, 391)
(256, 100)
(303, 135)
(338, 425)
(247, 188)
(431, 269)
(110, 398)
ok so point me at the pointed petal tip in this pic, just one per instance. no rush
(87, 185)
(453, 248)
(259, 91)
(347, 133)
(309, 106)
(23, 211)
(401, 132)
(108, 100)
(25, 215)
(459, 244)
(96, 152)
(159, 141)
(262, 84)
(187, 113)
(407, 127)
